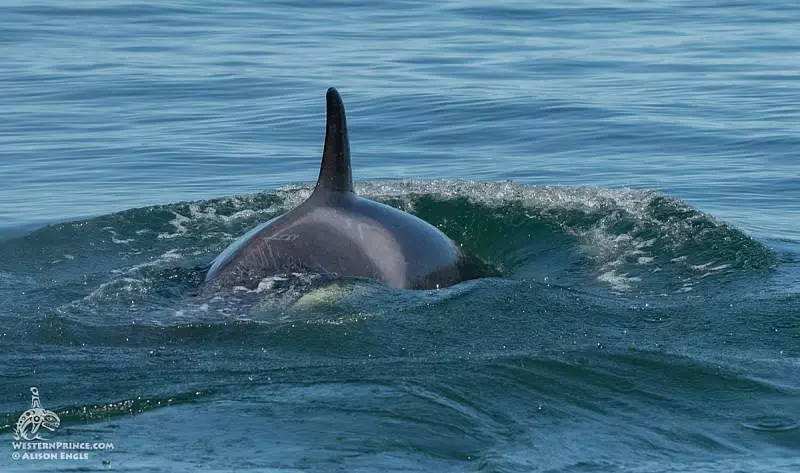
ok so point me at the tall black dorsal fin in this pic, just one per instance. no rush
(335, 174)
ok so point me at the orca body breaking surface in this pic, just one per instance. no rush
(337, 233)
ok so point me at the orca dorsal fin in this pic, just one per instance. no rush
(335, 174)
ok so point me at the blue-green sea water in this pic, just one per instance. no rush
(631, 168)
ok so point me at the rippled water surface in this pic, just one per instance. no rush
(630, 168)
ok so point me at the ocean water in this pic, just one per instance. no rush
(631, 168)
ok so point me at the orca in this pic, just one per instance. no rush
(339, 234)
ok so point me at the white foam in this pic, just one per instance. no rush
(179, 222)
(114, 239)
(170, 255)
(701, 267)
(263, 285)
(121, 284)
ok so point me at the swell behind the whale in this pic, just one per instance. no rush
(616, 241)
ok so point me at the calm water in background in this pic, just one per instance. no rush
(634, 329)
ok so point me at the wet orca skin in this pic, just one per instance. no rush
(337, 233)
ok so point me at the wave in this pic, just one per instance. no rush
(625, 239)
